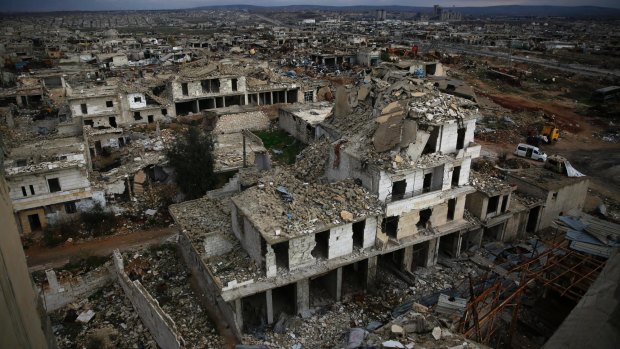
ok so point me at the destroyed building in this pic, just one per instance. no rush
(412, 146)
(491, 203)
(223, 85)
(48, 183)
(557, 193)
(395, 185)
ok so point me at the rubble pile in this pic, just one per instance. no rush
(380, 119)
(104, 320)
(487, 183)
(394, 302)
(235, 265)
(282, 202)
(168, 281)
(254, 120)
(203, 216)
(312, 161)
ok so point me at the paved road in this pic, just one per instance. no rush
(39, 258)
(572, 68)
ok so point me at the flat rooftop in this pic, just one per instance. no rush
(546, 179)
(281, 202)
(312, 114)
(206, 217)
(490, 185)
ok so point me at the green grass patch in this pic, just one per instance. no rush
(282, 146)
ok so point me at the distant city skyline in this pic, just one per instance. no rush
(102, 5)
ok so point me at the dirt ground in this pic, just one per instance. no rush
(39, 257)
(565, 104)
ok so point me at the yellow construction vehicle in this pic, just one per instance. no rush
(551, 132)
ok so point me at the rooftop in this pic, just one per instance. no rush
(46, 155)
(310, 113)
(489, 185)
(545, 179)
(282, 207)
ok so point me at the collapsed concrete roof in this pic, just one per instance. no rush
(387, 123)
(285, 204)
(490, 185)
(46, 155)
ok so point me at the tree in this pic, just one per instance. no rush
(191, 156)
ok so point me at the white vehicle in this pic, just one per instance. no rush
(530, 152)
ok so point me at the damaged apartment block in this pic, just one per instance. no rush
(394, 188)
(217, 86)
(414, 152)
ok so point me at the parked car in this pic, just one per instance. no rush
(530, 152)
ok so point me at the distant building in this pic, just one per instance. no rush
(381, 15)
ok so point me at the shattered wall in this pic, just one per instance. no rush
(70, 179)
(94, 106)
(299, 253)
(160, 325)
(208, 282)
(74, 289)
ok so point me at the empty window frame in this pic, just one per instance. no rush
(54, 184)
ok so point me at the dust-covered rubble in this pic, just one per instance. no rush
(167, 279)
(114, 324)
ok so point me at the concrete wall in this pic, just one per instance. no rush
(300, 252)
(131, 100)
(21, 324)
(160, 325)
(208, 282)
(370, 232)
(216, 244)
(59, 294)
(248, 236)
(476, 204)
(70, 179)
(567, 198)
(515, 226)
(349, 167)
(295, 126)
(340, 241)
(94, 105)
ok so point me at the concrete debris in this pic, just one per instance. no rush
(85, 316)
(112, 323)
(392, 344)
(436, 333)
(166, 278)
(312, 162)
(315, 206)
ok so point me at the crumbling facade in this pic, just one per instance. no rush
(48, 184)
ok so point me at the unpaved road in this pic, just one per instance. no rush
(39, 258)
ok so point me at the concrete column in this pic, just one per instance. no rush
(271, 97)
(196, 106)
(245, 98)
(371, 275)
(335, 284)
(239, 313)
(223, 101)
(303, 295)
(456, 245)
(407, 258)
(286, 96)
(432, 252)
(269, 296)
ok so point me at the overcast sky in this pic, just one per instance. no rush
(60, 5)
